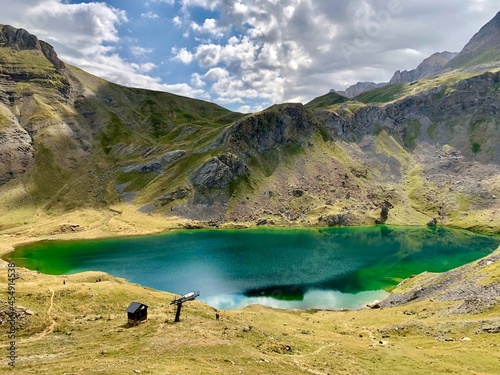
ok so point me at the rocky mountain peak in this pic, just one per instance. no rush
(20, 39)
(482, 49)
(487, 37)
(430, 65)
(17, 38)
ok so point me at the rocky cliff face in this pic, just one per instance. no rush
(270, 129)
(16, 147)
(477, 95)
(24, 60)
(20, 39)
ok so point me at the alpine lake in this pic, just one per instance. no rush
(330, 268)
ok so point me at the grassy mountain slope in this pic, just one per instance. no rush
(68, 134)
(76, 142)
(326, 100)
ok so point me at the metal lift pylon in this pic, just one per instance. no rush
(191, 296)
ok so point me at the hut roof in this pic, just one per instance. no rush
(134, 306)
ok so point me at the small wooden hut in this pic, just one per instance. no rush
(137, 313)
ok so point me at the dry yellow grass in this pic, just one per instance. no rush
(80, 328)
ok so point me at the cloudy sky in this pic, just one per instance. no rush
(249, 54)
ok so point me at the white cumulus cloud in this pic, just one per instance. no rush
(150, 15)
(85, 35)
(252, 53)
(182, 55)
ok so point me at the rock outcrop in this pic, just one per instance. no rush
(218, 172)
(179, 193)
(159, 164)
(20, 39)
(432, 223)
(336, 220)
(16, 147)
(464, 283)
(272, 128)
(434, 106)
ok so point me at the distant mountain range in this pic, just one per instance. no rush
(483, 46)
(423, 146)
(425, 69)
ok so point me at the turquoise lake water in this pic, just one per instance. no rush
(334, 268)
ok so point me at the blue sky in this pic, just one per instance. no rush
(249, 54)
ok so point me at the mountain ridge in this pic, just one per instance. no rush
(430, 65)
(482, 49)
(487, 37)
(70, 140)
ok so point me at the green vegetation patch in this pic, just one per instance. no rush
(27, 61)
(267, 162)
(47, 176)
(378, 129)
(439, 95)
(166, 107)
(326, 100)
(478, 132)
(158, 123)
(292, 149)
(234, 185)
(411, 133)
(4, 121)
(384, 94)
(469, 60)
(432, 130)
(135, 180)
(270, 160)
(476, 147)
(416, 187)
(115, 132)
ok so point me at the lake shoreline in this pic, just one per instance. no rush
(124, 224)
(22, 235)
(381, 233)
(20, 239)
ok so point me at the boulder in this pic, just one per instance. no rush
(178, 193)
(432, 222)
(336, 220)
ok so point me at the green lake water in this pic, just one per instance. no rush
(332, 268)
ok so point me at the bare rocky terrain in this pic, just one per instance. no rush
(471, 284)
